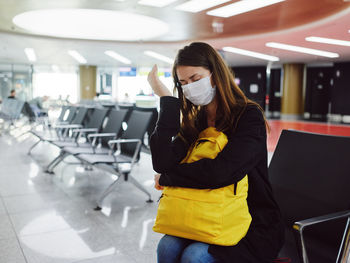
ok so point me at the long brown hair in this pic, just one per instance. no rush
(231, 100)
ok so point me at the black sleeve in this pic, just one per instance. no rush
(242, 153)
(166, 151)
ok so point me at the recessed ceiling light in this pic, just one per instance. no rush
(303, 50)
(250, 53)
(159, 56)
(195, 6)
(118, 57)
(241, 7)
(30, 54)
(91, 24)
(328, 41)
(156, 3)
(77, 56)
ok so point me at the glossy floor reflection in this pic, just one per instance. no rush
(50, 218)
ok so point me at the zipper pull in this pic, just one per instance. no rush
(159, 198)
(235, 188)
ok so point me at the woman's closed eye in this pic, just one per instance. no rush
(192, 80)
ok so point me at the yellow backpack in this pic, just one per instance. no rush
(214, 216)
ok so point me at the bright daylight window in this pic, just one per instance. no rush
(137, 85)
(56, 85)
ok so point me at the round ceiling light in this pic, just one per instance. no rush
(91, 24)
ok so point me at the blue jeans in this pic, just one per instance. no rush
(180, 250)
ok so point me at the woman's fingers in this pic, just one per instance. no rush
(158, 87)
(156, 182)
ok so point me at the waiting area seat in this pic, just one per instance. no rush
(11, 110)
(97, 141)
(108, 147)
(64, 132)
(310, 177)
(121, 160)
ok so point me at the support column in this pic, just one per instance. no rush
(87, 82)
(292, 102)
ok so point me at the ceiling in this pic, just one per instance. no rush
(287, 22)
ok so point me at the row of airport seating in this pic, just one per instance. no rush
(95, 136)
(309, 173)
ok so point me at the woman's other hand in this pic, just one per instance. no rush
(156, 182)
(158, 87)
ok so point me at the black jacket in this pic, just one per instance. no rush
(245, 153)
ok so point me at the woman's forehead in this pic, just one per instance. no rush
(184, 72)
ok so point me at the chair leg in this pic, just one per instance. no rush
(55, 162)
(140, 186)
(344, 250)
(301, 246)
(107, 192)
(33, 146)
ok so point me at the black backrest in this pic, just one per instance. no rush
(114, 123)
(310, 176)
(137, 126)
(80, 115)
(153, 120)
(28, 111)
(12, 108)
(96, 119)
(129, 107)
(72, 110)
(62, 113)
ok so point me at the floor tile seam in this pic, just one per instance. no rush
(29, 211)
(89, 259)
(24, 194)
(17, 237)
(45, 232)
(28, 194)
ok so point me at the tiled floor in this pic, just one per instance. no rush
(50, 218)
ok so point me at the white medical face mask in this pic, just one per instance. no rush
(200, 92)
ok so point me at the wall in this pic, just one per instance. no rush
(318, 92)
(252, 80)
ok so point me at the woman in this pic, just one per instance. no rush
(208, 96)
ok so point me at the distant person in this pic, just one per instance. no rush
(37, 105)
(38, 101)
(126, 98)
(12, 94)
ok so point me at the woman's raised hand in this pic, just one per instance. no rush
(158, 87)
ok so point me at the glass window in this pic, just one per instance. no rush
(57, 85)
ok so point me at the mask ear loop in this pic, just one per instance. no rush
(178, 87)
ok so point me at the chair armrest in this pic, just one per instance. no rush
(68, 126)
(61, 123)
(102, 135)
(85, 130)
(94, 136)
(299, 225)
(111, 142)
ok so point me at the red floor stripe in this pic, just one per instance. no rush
(324, 128)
